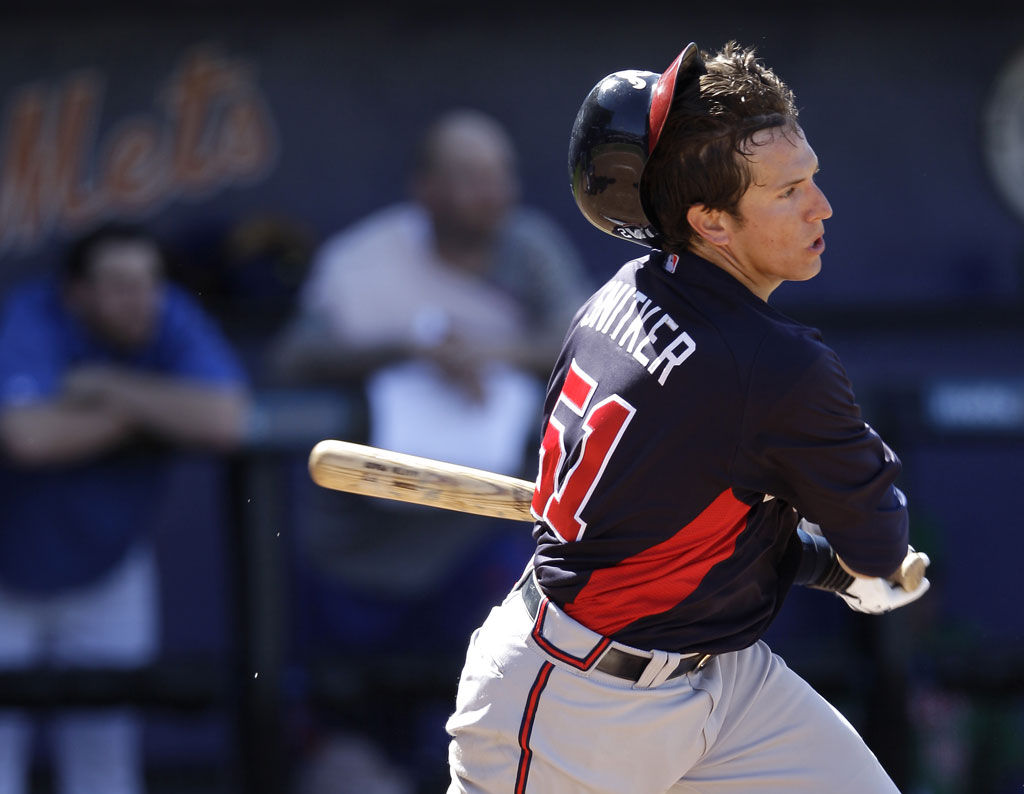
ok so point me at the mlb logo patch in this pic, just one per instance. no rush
(670, 263)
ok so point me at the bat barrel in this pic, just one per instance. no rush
(386, 474)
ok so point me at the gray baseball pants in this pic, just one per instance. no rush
(534, 715)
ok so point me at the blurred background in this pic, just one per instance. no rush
(246, 134)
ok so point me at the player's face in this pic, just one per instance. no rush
(119, 297)
(779, 232)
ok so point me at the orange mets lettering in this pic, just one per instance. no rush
(62, 169)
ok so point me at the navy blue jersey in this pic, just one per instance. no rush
(688, 426)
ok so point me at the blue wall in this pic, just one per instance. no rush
(892, 103)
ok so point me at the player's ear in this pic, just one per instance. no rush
(708, 223)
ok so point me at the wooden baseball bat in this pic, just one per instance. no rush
(361, 469)
(382, 473)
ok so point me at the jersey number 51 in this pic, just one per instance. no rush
(565, 484)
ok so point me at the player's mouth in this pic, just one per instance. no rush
(818, 246)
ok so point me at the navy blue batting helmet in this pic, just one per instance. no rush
(615, 132)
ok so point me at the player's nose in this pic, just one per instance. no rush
(821, 209)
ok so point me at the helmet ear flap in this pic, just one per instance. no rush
(612, 140)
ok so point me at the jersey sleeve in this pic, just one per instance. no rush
(31, 358)
(326, 283)
(806, 431)
(193, 346)
(365, 282)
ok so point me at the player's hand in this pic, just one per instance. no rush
(875, 595)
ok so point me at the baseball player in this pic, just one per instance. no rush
(700, 453)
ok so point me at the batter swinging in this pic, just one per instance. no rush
(701, 453)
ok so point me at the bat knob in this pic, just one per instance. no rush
(912, 570)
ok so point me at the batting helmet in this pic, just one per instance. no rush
(614, 134)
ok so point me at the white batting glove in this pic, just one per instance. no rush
(875, 595)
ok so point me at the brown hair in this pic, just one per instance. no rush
(701, 156)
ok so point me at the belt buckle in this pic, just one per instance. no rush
(703, 661)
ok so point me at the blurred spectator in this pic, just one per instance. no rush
(100, 369)
(447, 310)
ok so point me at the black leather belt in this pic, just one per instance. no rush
(615, 661)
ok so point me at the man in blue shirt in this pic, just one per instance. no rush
(100, 370)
